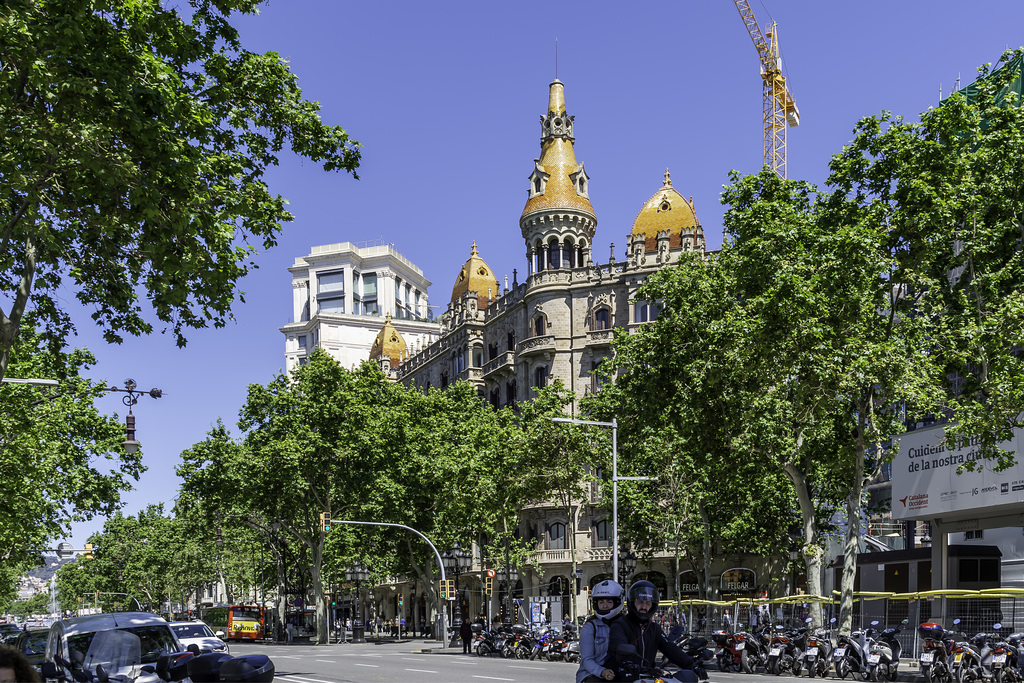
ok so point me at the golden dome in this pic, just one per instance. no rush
(476, 276)
(388, 344)
(558, 181)
(667, 210)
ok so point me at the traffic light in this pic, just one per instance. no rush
(489, 585)
(442, 588)
(325, 522)
(401, 600)
(451, 588)
(88, 551)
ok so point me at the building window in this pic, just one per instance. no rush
(495, 398)
(975, 535)
(510, 393)
(330, 291)
(540, 377)
(644, 311)
(540, 327)
(302, 341)
(511, 341)
(554, 255)
(369, 294)
(602, 319)
(602, 534)
(556, 536)
(478, 356)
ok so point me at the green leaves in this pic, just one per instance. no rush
(134, 160)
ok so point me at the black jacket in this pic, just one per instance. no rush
(647, 638)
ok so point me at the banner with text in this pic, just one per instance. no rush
(925, 483)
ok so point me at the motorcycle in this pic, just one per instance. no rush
(851, 653)
(936, 648)
(1006, 658)
(484, 643)
(884, 656)
(819, 650)
(632, 670)
(559, 643)
(541, 642)
(694, 646)
(756, 650)
(730, 651)
(786, 651)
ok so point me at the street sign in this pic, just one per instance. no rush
(64, 551)
(298, 602)
(491, 573)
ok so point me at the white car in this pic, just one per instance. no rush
(199, 634)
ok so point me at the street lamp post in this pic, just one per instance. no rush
(133, 394)
(357, 574)
(457, 561)
(627, 561)
(615, 482)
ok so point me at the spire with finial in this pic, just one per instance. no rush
(668, 178)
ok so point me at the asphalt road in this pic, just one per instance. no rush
(418, 660)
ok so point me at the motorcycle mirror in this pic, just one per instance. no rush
(955, 622)
(832, 620)
(996, 626)
(808, 620)
(905, 622)
(875, 622)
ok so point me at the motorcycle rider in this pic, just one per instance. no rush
(606, 599)
(636, 628)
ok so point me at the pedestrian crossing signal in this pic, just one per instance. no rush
(325, 522)
(489, 585)
(443, 588)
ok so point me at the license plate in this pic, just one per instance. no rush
(775, 651)
(959, 656)
(998, 659)
(927, 657)
(873, 659)
(740, 646)
(840, 651)
(811, 654)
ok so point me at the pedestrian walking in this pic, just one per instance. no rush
(290, 630)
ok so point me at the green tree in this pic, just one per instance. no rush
(134, 161)
(61, 460)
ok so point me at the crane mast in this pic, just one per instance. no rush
(778, 107)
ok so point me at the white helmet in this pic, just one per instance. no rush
(607, 590)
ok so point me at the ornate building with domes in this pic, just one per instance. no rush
(507, 340)
(558, 322)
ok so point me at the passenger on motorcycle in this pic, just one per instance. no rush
(637, 629)
(606, 598)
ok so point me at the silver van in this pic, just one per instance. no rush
(122, 642)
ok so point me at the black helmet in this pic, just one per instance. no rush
(642, 590)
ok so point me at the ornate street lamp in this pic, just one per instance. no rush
(357, 574)
(133, 394)
(511, 579)
(457, 561)
(627, 564)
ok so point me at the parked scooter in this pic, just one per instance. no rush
(851, 653)
(936, 648)
(884, 656)
(1006, 659)
(818, 654)
(786, 651)
(730, 653)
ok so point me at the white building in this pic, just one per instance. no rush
(341, 295)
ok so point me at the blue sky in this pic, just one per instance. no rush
(445, 98)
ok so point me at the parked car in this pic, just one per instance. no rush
(125, 643)
(8, 632)
(199, 634)
(32, 644)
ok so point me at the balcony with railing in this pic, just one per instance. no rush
(538, 344)
(499, 362)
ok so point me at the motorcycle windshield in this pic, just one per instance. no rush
(120, 652)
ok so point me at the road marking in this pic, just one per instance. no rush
(531, 668)
(300, 678)
(326, 661)
(495, 678)
(413, 659)
(287, 657)
(422, 671)
(375, 666)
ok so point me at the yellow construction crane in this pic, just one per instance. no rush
(777, 104)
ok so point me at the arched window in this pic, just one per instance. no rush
(602, 534)
(602, 319)
(511, 341)
(444, 379)
(556, 536)
(510, 393)
(540, 377)
(540, 327)
(554, 255)
(494, 398)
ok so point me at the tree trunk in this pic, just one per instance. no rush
(853, 507)
(810, 550)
